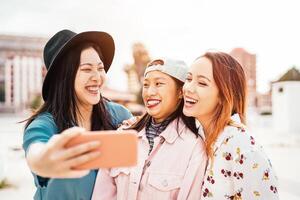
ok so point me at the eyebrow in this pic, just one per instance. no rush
(200, 76)
(100, 63)
(157, 78)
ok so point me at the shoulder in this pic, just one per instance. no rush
(188, 136)
(234, 137)
(240, 146)
(45, 120)
(118, 112)
(39, 130)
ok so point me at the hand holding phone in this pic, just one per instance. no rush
(117, 148)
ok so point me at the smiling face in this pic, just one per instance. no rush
(89, 78)
(161, 95)
(200, 91)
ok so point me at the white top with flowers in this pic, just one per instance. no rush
(239, 170)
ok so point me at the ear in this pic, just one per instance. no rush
(180, 94)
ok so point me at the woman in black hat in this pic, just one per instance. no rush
(77, 66)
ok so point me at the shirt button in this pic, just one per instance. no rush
(140, 187)
(148, 164)
(165, 183)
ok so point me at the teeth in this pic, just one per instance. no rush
(93, 88)
(189, 100)
(153, 102)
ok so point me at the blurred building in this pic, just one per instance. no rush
(21, 71)
(264, 102)
(124, 98)
(248, 61)
(285, 102)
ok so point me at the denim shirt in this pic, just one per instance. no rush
(41, 130)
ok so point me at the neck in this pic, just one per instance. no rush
(160, 120)
(204, 121)
(156, 120)
(84, 114)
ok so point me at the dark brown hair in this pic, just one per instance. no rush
(177, 114)
(61, 101)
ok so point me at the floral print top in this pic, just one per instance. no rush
(239, 170)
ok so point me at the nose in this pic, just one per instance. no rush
(96, 75)
(188, 87)
(151, 91)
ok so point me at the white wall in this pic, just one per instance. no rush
(24, 80)
(17, 82)
(286, 106)
(7, 83)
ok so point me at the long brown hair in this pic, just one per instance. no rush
(230, 79)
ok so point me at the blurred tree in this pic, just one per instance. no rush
(36, 102)
(4, 184)
(135, 71)
(2, 93)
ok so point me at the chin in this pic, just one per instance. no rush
(152, 114)
(94, 101)
(187, 113)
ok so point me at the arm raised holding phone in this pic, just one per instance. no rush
(54, 160)
(76, 71)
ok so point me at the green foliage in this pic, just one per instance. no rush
(4, 184)
(266, 113)
(36, 102)
(2, 93)
(139, 97)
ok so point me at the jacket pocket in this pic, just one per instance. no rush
(164, 182)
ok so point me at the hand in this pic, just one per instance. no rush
(129, 122)
(53, 160)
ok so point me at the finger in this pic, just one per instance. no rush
(61, 139)
(133, 120)
(125, 122)
(78, 173)
(82, 159)
(73, 174)
(77, 150)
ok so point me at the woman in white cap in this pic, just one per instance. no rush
(238, 168)
(77, 66)
(171, 155)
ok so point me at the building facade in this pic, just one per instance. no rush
(285, 100)
(21, 71)
(248, 61)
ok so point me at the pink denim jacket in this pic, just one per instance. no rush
(176, 170)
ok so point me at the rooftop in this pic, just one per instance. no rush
(291, 75)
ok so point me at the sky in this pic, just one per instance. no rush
(171, 28)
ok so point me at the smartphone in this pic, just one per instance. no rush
(117, 148)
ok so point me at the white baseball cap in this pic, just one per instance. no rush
(174, 68)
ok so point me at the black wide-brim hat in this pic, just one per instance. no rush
(64, 41)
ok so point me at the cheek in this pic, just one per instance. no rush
(170, 96)
(144, 92)
(205, 95)
(77, 83)
(103, 78)
(211, 101)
